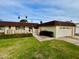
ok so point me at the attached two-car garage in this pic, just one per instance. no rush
(59, 31)
(59, 28)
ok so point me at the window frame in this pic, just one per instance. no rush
(20, 27)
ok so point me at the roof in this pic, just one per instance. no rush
(6, 23)
(58, 23)
(51, 23)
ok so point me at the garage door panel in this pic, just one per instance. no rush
(64, 32)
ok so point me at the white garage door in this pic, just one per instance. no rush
(61, 32)
(77, 30)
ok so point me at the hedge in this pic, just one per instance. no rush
(3, 36)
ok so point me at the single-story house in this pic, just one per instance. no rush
(59, 28)
(15, 27)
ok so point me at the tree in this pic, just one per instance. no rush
(23, 20)
(18, 17)
(26, 17)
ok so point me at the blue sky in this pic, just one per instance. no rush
(37, 10)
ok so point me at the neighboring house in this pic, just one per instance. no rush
(59, 28)
(15, 27)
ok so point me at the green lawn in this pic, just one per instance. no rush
(30, 48)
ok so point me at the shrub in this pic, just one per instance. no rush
(3, 36)
(47, 33)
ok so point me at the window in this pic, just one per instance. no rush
(30, 28)
(62, 27)
(23, 27)
(9, 27)
(20, 27)
(68, 28)
(17, 28)
(1, 28)
(65, 27)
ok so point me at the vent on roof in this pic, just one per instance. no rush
(41, 22)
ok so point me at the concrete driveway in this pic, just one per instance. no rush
(73, 40)
(43, 38)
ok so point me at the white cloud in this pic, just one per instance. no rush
(46, 9)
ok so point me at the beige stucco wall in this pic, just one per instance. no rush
(58, 32)
(9, 31)
(26, 29)
(35, 31)
(6, 28)
(64, 32)
(14, 31)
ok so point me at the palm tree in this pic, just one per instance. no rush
(18, 17)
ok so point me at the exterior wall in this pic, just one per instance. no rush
(19, 31)
(9, 31)
(13, 30)
(57, 30)
(60, 32)
(2, 30)
(26, 29)
(6, 28)
(74, 30)
(35, 31)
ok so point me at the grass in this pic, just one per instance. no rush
(30, 48)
